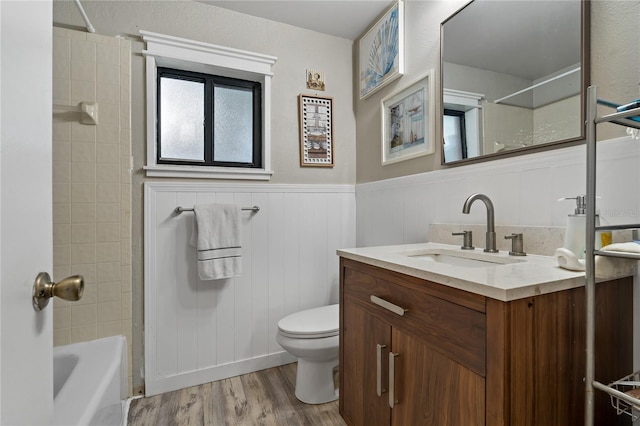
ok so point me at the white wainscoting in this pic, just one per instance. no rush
(524, 190)
(199, 331)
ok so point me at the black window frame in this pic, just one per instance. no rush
(210, 83)
(463, 131)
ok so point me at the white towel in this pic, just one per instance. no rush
(217, 237)
(612, 267)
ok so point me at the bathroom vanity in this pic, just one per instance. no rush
(433, 335)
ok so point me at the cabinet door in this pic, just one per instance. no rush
(431, 389)
(359, 369)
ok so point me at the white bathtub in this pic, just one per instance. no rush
(90, 382)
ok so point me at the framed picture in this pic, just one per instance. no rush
(408, 120)
(316, 131)
(381, 51)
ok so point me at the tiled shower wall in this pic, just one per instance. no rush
(92, 186)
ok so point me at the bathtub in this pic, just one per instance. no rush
(90, 382)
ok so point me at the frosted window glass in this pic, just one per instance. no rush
(233, 127)
(182, 119)
(452, 138)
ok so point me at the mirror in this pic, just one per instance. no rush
(513, 77)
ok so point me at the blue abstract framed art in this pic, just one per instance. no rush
(381, 51)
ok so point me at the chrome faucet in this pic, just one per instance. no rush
(490, 245)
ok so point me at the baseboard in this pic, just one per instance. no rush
(218, 372)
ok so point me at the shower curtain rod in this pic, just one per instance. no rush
(85, 17)
(537, 85)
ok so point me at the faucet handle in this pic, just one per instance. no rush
(517, 244)
(467, 240)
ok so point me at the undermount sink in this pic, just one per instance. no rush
(470, 259)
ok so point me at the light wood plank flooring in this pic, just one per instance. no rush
(262, 398)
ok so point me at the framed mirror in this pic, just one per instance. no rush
(513, 78)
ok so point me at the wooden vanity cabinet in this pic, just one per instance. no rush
(463, 359)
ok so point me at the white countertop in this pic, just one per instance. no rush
(530, 275)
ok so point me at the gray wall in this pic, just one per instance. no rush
(615, 68)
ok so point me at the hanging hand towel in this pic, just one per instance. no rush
(218, 240)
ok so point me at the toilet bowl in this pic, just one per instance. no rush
(312, 337)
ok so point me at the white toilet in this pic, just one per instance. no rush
(312, 336)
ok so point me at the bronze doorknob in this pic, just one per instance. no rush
(70, 288)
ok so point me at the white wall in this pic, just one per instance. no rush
(199, 331)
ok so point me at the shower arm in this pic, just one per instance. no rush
(85, 17)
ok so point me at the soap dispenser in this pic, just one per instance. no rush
(575, 233)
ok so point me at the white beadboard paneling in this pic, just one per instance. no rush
(260, 276)
(411, 231)
(291, 239)
(306, 249)
(176, 273)
(224, 308)
(198, 331)
(318, 227)
(275, 255)
(242, 291)
(165, 294)
(523, 189)
(535, 209)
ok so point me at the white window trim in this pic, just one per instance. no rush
(174, 52)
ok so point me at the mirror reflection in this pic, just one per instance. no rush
(512, 77)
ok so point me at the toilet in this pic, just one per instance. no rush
(312, 337)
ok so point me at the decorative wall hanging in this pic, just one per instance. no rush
(381, 57)
(316, 131)
(408, 121)
(315, 80)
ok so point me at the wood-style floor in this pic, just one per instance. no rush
(262, 398)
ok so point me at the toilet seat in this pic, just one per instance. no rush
(312, 323)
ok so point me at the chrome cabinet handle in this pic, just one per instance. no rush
(392, 379)
(379, 389)
(388, 305)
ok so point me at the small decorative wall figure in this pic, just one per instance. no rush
(315, 80)
(316, 131)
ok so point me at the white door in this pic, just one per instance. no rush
(26, 343)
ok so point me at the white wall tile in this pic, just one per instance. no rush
(83, 213)
(83, 253)
(108, 192)
(108, 73)
(83, 233)
(83, 71)
(83, 192)
(84, 91)
(83, 50)
(83, 172)
(83, 152)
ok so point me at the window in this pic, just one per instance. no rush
(208, 110)
(208, 120)
(454, 135)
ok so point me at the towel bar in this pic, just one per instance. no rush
(254, 209)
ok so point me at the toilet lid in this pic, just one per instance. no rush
(312, 323)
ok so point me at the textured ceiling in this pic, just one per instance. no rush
(345, 19)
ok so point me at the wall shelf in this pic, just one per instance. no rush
(624, 393)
